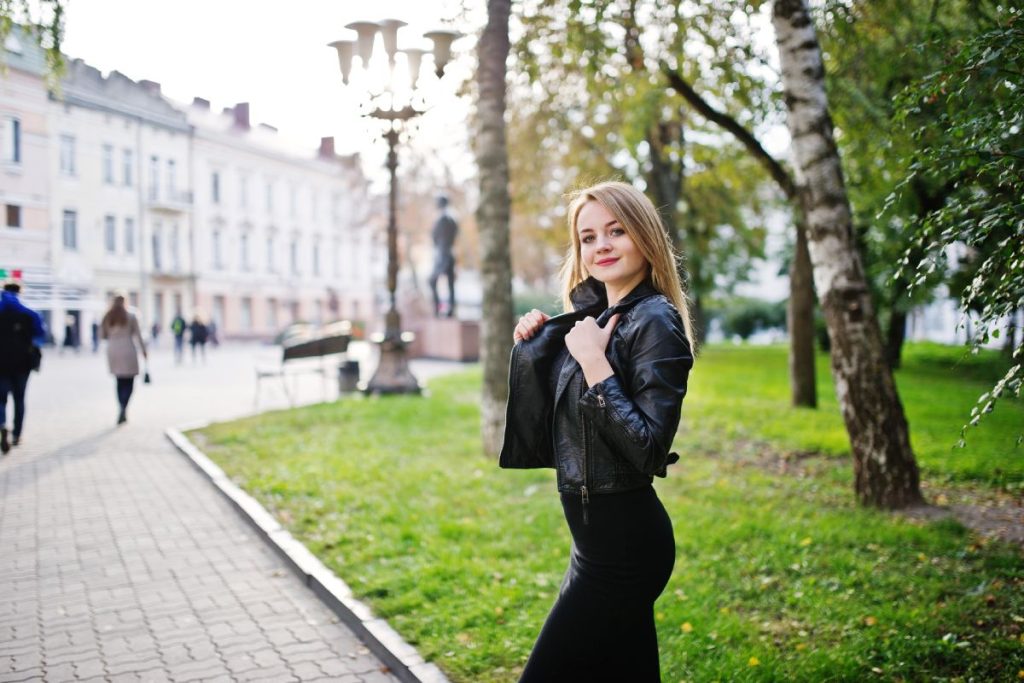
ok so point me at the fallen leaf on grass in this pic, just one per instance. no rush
(870, 621)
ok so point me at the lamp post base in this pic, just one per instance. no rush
(393, 375)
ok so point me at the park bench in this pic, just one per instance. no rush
(308, 349)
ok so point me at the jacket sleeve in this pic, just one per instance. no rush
(638, 413)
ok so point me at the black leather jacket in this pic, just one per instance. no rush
(626, 422)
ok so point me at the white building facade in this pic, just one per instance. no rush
(279, 238)
(25, 245)
(120, 206)
(108, 186)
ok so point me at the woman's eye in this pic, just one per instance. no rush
(588, 239)
(618, 231)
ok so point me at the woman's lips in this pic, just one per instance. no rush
(607, 261)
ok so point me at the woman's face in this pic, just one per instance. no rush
(606, 250)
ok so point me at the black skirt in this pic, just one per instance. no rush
(601, 627)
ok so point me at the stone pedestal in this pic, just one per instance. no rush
(447, 339)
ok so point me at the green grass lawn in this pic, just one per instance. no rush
(741, 393)
(776, 577)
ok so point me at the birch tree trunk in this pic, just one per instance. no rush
(492, 217)
(800, 322)
(885, 471)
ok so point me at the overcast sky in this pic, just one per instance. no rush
(271, 54)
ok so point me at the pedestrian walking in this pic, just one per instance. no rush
(22, 335)
(120, 327)
(596, 394)
(178, 326)
(198, 334)
(95, 327)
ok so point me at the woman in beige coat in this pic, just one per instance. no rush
(120, 328)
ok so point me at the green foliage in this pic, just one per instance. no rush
(588, 102)
(976, 101)
(776, 577)
(742, 316)
(870, 53)
(44, 21)
(544, 301)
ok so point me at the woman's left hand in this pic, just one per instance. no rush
(587, 341)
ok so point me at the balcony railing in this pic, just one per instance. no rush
(168, 202)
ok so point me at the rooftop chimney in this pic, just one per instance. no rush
(242, 115)
(200, 103)
(152, 87)
(327, 148)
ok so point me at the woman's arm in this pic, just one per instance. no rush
(639, 413)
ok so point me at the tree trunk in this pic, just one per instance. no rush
(1010, 344)
(895, 336)
(885, 471)
(492, 217)
(800, 321)
(800, 309)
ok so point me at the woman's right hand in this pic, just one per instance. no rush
(529, 324)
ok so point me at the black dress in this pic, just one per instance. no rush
(601, 627)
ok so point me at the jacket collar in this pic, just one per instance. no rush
(591, 295)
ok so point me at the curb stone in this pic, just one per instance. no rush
(383, 641)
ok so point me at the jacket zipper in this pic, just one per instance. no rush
(584, 493)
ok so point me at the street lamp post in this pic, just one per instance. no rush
(389, 106)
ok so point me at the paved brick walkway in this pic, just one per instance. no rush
(120, 562)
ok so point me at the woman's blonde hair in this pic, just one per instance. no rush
(638, 217)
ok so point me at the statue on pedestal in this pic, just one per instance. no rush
(443, 234)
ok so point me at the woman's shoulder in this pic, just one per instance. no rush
(656, 309)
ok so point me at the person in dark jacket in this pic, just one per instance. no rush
(596, 393)
(21, 335)
(198, 337)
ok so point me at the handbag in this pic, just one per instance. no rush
(35, 358)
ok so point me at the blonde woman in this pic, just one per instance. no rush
(120, 328)
(596, 393)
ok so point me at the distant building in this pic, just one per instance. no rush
(279, 238)
(120, 206)
(107, 185)
(25, 230)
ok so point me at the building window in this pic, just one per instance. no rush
(336, 258)
(108, 164)
(272, 314)
(292, 199)
(13, 216)
(127, 167)
(110, 234)
(70, 231)
(129, 235)
(67, 155)
(157, 252)
(172, 189)
(243, 191)
(294, 253)
(154, 178)
(313, 204)
(246, 314)
(215, 187)
(219, 310)
(270, 254)
(243, 244)
(175, 253)
(10, 142)
(316, 258)
(216, 248)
